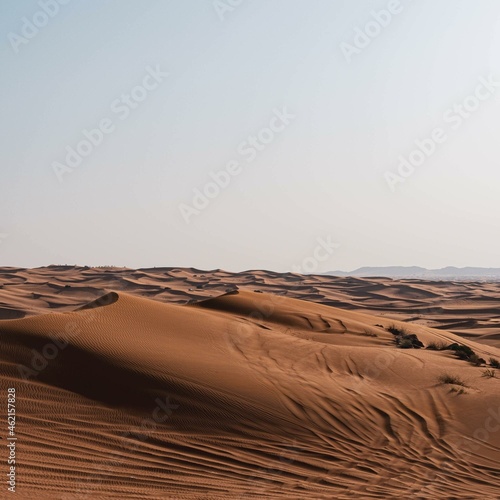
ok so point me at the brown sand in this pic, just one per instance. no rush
(214, 391)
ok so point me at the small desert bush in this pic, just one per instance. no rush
(404, 343)
(476, 360)
(446, 378)
(461, 351)
(489, 373)
(408, 341)
(438, 346)
(494, 363)
(395, 330)
(403, 339)
(466, 353)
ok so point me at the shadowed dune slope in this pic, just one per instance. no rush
(245, 395)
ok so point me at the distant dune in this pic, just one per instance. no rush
(445, 273)
(184, 384)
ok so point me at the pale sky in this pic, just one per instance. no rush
(306, 112)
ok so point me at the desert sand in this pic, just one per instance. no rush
(185, 384)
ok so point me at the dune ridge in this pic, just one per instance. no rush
(244, 395)
(467, 308)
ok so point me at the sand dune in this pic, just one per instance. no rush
(237, 394)
(469, 309)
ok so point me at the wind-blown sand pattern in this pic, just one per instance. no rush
(183, 384)
(469, 309)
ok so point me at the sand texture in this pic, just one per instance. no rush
(184, 384)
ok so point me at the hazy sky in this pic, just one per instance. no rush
(306, 115)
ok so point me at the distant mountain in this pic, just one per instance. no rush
(449, 273)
